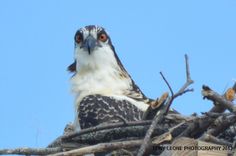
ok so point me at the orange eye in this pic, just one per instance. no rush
(103, 37)
(78, 38)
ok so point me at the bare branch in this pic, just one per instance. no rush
(167, 83)
(166, 136)
(103, 127)
(187, 69)
(201, 125)
(160, 114)
(221, 124)
(30, 151)
(217, 99)
(189, 81)
(184, 89)
(102, 147)
(110, 134)
(213, 139)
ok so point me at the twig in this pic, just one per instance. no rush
(188, 77)
(167, 136)
(131, 129)
(161, 113)
(109, 126)
(196, 129)
(201, 125)
(171, 90)
(115, 134)
(180, 118)
(213, 139)
(189, 81)
(30, 151)
(107, 135)
(221, 124)
(215, 114)
(184, 88)
(146, 141)
(102, 147)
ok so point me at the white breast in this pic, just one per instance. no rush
(104, 83)
(99, 73)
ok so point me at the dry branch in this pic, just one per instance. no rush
(111, 134)
(207, 124)
(160, 114)
(197, 128)
(31, 151)
(221, 124)
(213, 139)
(109, 126)
(217, 99)
(102, 147)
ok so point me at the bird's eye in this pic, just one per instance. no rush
(78, 38)
(103, 37)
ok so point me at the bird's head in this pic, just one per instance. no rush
(93, 49)
(91, 38)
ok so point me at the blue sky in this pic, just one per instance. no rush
(36, 46)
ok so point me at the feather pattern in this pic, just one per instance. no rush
(105, 92)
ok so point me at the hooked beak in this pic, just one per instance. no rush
(89, 43)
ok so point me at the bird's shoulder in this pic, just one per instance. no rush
(136, 93)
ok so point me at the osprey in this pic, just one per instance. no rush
(105, 92)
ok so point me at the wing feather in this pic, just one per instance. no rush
(97, 109)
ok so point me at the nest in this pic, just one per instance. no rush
(161, 132)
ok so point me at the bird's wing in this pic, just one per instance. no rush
(97, 109)
(136, 93)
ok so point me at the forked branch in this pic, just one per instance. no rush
(160, 114)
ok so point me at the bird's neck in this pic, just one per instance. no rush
(106, 80)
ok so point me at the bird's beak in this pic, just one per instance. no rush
(89, 43)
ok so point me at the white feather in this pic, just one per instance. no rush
(99, 73)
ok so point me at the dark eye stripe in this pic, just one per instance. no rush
(102, 32)
(98, 29)
(78, 33)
